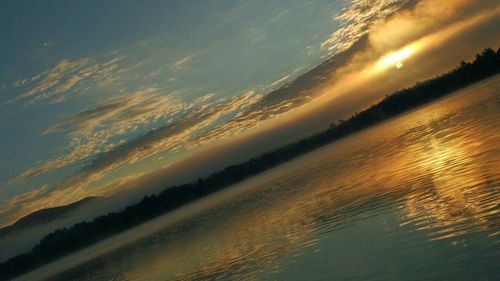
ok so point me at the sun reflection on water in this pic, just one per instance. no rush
(407, 189)
(451, 202)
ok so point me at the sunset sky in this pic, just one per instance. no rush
(98, 97)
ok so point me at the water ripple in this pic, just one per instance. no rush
(416, 198)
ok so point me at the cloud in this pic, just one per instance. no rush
(54, 84)
(95, 129)
(50, 78)
(25, 203)
(174, 135)
(123, 114)
(425, 18)
(379, 19)
(356, 20)
(202, 122)
(187, 125)
(95, 132)
(289, 96)
(180, 63)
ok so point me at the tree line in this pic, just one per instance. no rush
(83, 234)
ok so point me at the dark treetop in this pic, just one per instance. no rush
(83, 234)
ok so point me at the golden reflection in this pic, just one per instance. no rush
(425, 167)
(450, 203)
(298, 200)
(433, 168)
(455, 196)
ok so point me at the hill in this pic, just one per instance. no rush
(44, 216)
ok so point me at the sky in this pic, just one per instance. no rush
(102, 97)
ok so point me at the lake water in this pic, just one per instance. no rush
(415, 198)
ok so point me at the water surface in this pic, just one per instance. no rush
(415, 198)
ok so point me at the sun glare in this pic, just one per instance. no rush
(395, 58)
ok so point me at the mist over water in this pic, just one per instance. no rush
(415, 198)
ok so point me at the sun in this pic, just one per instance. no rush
(395, 58)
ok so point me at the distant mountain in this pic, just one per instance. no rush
(44, 216)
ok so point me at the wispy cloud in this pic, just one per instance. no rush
(95, 129)
(205, 120)
(94, 132)
(22, 204)
(356, 20)
(182, 62)
(174, 135)
(49, 79)
(54, 84)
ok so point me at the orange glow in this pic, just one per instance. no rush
(395, 58)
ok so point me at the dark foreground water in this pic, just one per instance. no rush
(416, 198)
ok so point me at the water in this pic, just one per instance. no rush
(415, 198)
